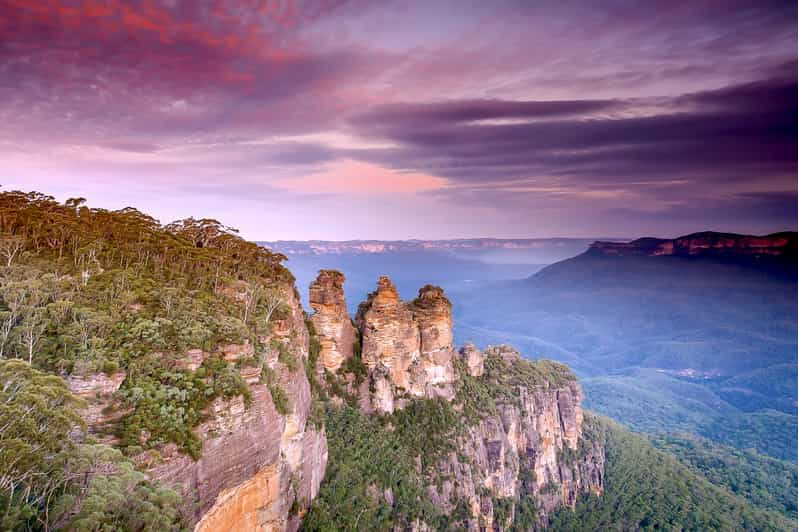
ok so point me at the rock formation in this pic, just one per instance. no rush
(259, 469)
(334, 328)
(407, 347)
(531, 448)
(256, 463)
(528, 446)
(706, 244)
(433, 314)
(473, 359)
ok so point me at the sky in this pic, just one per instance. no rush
(391, 119)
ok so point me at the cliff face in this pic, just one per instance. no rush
(530, 450)
(259, 469)
(520, 450)
(257, 463)
(524, 446)
(722, 245)
(407, 347)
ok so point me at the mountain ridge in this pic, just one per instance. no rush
(321, 247)
(783, 245)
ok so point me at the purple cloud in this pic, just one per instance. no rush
(572, 109)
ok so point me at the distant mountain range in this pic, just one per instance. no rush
(324, 247)
(696, 333)
(783, 245)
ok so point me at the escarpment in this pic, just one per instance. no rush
(490, 441)
(199, 368)
(261, 460)
(782, 246)
(498, 441)
(257, 462)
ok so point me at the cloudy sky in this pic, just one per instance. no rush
(409, 119)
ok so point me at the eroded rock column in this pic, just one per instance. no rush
(331, 319)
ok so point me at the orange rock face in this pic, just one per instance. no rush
(256, 462)
(241, 507)
(407, 347)
(331, 319)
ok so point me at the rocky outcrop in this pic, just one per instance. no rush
(531, 449)
(473, 359)
(432, 312)
(99, 414)
(522, 439)
(95, 385)
(334, 328)
(706, 244)
(407, 347)
(259, 469)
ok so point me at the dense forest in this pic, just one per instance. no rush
(764, 481)
(86, 290)
(648, 489)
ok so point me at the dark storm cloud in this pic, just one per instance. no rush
(741, 132)
(456, 112)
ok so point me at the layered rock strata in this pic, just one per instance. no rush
(331, 320)
(407, 347)
(531, 448)
(706, 244)
(259, 469)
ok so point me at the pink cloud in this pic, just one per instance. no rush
(355, 178)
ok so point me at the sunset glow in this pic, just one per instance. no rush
(548, 119)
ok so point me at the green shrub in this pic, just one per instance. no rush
(167, 405)
(356, 367)
(436, 420)
(502, 510)
(286, 357)
(279, 398)
(110, 367)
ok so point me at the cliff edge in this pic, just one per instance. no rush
(497, 440)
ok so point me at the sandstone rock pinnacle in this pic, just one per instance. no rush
(331, 320)
(410, 344)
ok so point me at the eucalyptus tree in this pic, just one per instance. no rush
(37, 415)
